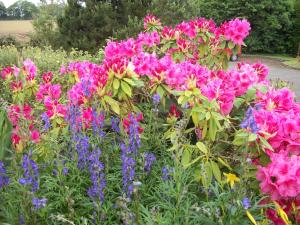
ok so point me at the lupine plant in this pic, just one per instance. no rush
(160, 132)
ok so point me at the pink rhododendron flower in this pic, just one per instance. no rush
(168, 33)
(127, 48)
(16, 86)
(261, 70)
(48, 90)
(236, 30)
(62, 70)
(14, 114)
(47, 77)
(29, 69)
(188, 29)
(174, 112)
(35, 136)
(15, 138)
(280, 178)
(148, 39)
(27, 112)
(6, 73)
(150, 21)
(87, 117)
(54, 108)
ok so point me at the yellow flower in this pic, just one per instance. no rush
(231, 179)
(251, 218)
(282, 213)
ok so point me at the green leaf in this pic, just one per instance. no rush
(160, 91)
(224, 163)
(207, 115)
(266, 143)
(55, 132)
(252, 137)
(195, 118)
(129, 81)
(238, 140)
(223, 44)
(212, 129)
(208, 173)
(216, 171)
(186, 158)
(126, 88)
(5, 133)
(188, 93)
(251, 93)
(231, 45)
(113, 104)
(204, 130)
(116, 84)
(202, 147)
(238, 102)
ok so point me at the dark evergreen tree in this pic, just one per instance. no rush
(86, 24)
(296, 33)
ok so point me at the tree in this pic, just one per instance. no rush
(271, 21)
(170, 12)
(22, 9)
(2, 10)
(86, 24)
(44, 23)
(296, 33)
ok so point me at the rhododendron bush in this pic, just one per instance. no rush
(169, 85)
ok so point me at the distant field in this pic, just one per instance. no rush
(20, 29)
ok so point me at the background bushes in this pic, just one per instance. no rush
(45, 58)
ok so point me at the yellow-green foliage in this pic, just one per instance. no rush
(8, 55)
(46, 59)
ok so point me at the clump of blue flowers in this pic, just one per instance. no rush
(31, 179)
(149, 159)
(96, 169)
(249, 121)
(39, 203)
(46, 121)
(31, 173)
(115, 124)
(166, 173)
(98, 123)
(128, 170)
(128, 155)
(246, 203)
(4, 179)
(156, 99)
(57, 167)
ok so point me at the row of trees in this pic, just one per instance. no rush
(20, 10)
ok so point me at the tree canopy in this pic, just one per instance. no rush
(20, 10)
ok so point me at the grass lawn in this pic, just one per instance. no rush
(295, 63)
(20, 29)
(285, 59)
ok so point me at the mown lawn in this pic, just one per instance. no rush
(20, 29)
(285, 59)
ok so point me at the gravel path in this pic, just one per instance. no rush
(277, 70)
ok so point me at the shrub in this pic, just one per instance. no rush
(8, 55)
(8, 40)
